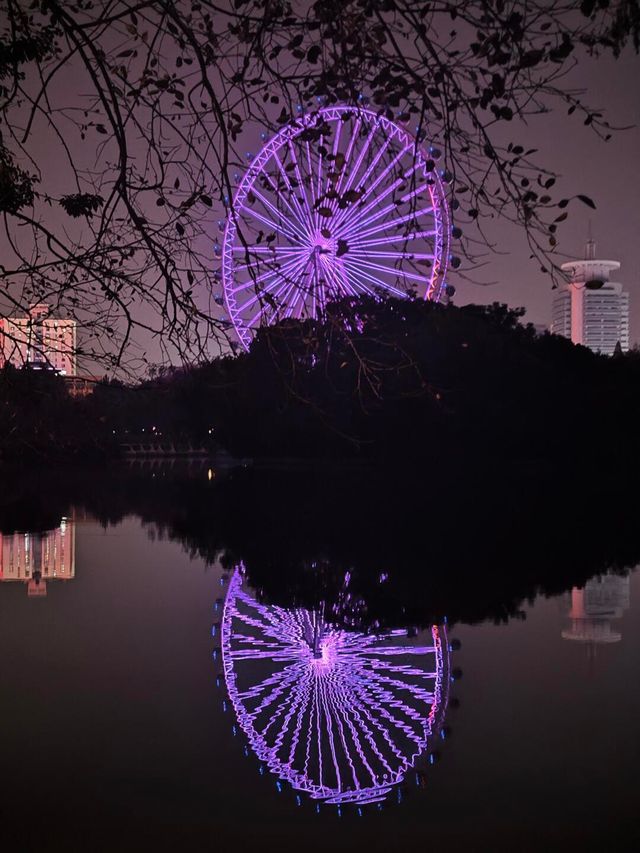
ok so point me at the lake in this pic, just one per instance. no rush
(154, 698)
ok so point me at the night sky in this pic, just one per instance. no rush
(607, 172)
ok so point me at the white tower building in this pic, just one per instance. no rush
(590, 308)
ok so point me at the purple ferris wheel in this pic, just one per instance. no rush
(338, 714)
(342, 202)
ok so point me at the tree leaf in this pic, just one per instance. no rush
(588, 201)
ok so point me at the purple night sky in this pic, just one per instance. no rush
(605, 171)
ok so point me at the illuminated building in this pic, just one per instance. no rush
(39, 340)
(594, 606)
(80, 386)
(35, 558)
(590, 309)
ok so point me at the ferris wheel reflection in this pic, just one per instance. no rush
(342, 715)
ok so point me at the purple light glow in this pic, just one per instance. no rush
(316, 217)
(340, 715)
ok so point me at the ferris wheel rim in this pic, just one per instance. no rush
(335, 113)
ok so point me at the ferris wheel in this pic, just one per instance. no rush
(340, 715)
(342, 202)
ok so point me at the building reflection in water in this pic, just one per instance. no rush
(38, 558)
(341, 715)
(592, 609)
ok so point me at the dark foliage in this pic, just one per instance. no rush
(379, 380)
(38, 419)
(410, 378)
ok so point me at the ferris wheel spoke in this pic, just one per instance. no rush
(348, 214)
(376, 282)
(328, 727)
(259, 250)
(392, 221)
(291, 282)
(289, 254)
(301, 215)
(340, 282)
(287, 274)
(392, 240)
(277, 228)
(309, 207)
(386, 241)
(320, 170)
(413, 215)
(342, 719)
(359, 699)
(275, 264)
(310, 174)
(359, 285)
(393, 651)
(317, 728)
(291, 690)
(398, 724)
(332, 182)
(302, 712)
(344, 215)
(276, 637)
(363, 721)
(272, 250)
(378, 677)
(263, 689)
(280, 269)
(359, 724)
(303, 290)
(298, 301)
(283, 292)
(345, 166)
(363, 152)
(293, 222)
(389, 270)
(257, 649)
(300, 695)
(293, 226)
(281, 691)
(397, 256)
(264, 305)
(361, 213)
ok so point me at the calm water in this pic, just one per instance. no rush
(118, 731)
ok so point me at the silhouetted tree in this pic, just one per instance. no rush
(122, 124)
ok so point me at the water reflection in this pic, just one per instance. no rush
(592, 608)
(35, 558)
(340, 714)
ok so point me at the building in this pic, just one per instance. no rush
(39, 340)
(36, 558)
(592, 608)
(591, 309)
(80, 386)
